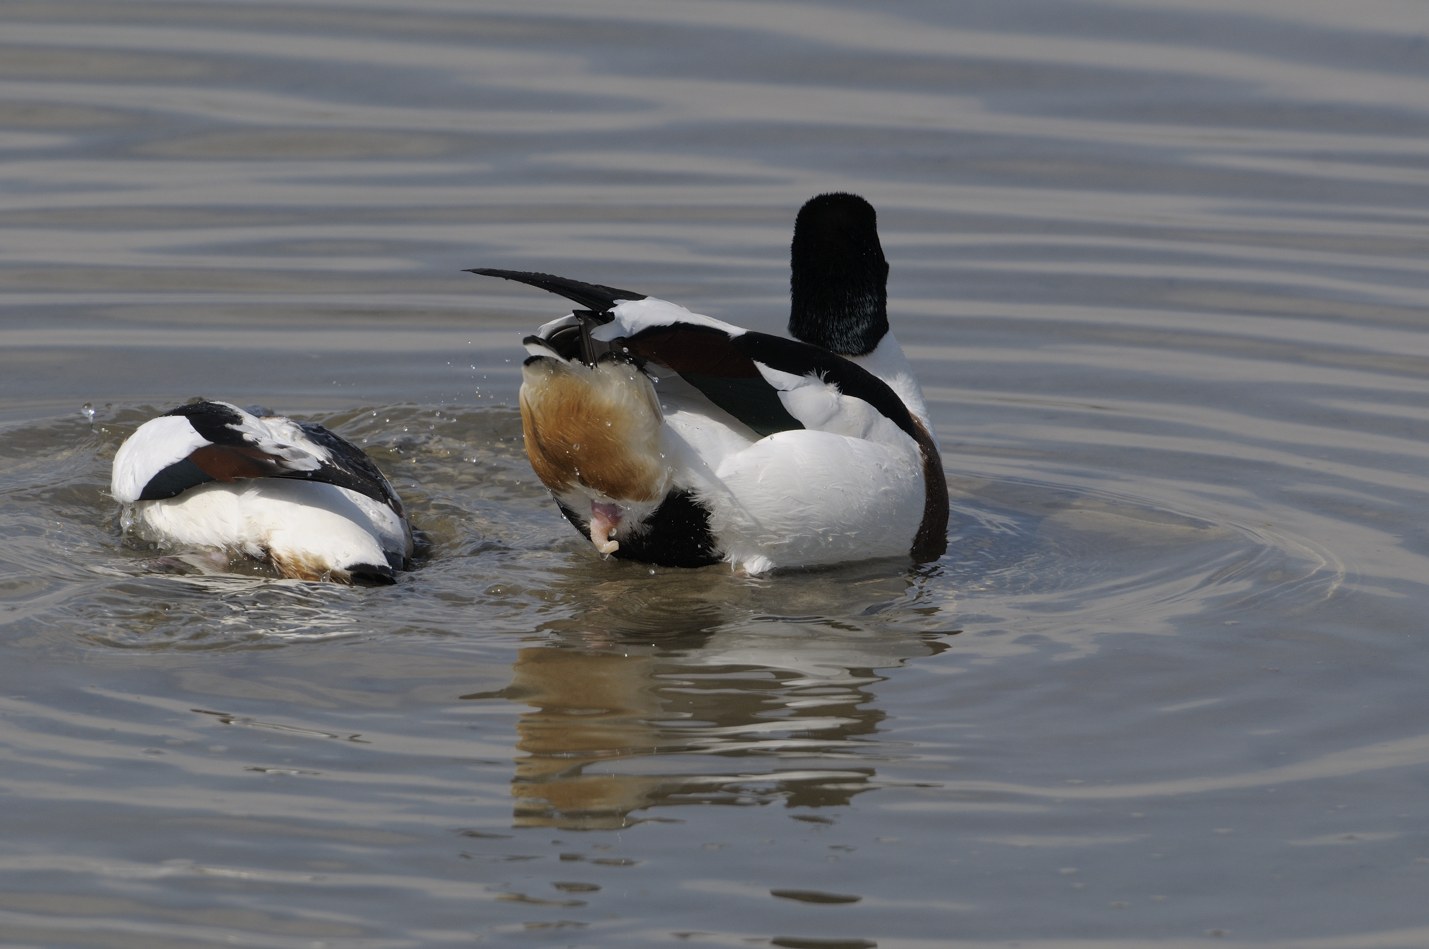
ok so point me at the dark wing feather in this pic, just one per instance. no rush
(720, 365)
(173, 480)
(347, 467)
(232, 455)
(227, 462)
(592, 296)
(229, 456)
(218, 422)
(723, 367)
(804, 359)
(709, 359)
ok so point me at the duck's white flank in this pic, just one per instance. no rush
(308, 530)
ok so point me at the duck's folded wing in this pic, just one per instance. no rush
(214, 441)
(245, 446)
(770, 383)
(347, 466)
(708, 359)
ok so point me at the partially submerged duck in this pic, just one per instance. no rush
(212, 476)
(672, 438)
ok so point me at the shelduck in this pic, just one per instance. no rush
(210, 475)
(675, 439)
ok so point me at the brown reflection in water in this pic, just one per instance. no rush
(586, 707)
(616, 729)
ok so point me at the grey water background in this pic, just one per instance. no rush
(1161, 268)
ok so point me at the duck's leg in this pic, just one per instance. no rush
(604, 519)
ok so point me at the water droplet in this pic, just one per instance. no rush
(87, 410)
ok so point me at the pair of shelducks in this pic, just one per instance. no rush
(665, 436)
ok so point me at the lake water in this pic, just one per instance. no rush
(1160, 266)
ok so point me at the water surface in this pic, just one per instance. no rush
(1159, 266)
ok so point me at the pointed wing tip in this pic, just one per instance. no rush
(596, 297)
(530, 277)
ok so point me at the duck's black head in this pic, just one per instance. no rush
(839, 285)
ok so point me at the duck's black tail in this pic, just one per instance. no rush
(592, 296)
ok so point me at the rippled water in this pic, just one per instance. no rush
(1160, 266)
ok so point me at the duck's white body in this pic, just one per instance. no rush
(213, 476)
(309, 531)
(847, 485)
(674, 438)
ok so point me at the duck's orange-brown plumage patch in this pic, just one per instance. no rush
(597, 427)
(301, 566)
(233, 462)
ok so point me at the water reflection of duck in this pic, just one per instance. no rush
(706, 688)
(210, 475)
(609, 732)
(672, 438)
